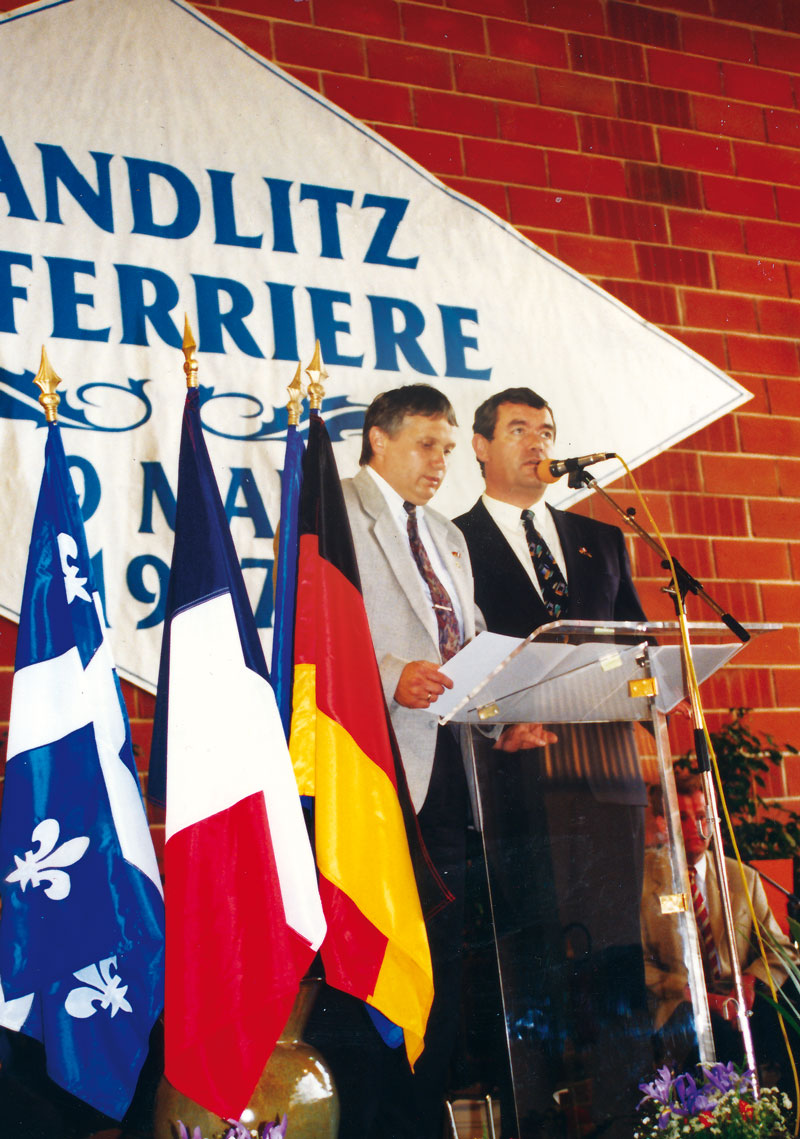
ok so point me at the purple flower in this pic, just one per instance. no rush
(663, 1119)
(681, 1098)
(660, 1089)
(236, 1130)
(691, 1099)
(184, 1134)
(725, 1078)
(276, 1130)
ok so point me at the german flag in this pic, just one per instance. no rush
(345, 755)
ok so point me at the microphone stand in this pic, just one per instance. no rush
(792, 899)
(686, 583)
(681, 583)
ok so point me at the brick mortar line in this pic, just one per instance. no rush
(498, 100)
(486, 54)
(683, 17)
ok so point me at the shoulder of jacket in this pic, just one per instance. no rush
(361, 491)
(587, 525)
(750, 872)
(435, 519)
(469, 517)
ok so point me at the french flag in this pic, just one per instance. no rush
(243, 914)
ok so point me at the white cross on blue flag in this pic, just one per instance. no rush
(82, 929)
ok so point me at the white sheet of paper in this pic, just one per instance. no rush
(478, 659)
(470, 666)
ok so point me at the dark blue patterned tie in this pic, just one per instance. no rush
(449, 632)
(555, 593)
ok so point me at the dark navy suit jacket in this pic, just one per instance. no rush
(598, 574)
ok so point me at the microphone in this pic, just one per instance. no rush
(551, 470)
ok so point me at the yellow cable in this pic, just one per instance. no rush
(695, 690)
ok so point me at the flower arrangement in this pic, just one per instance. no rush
(720, 1102)
(237, 1130)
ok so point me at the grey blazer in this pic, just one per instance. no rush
(665, 968)
(401, 620)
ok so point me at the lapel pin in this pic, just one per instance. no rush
(584, 551)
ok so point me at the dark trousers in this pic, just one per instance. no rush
(563, 833)
(443, 824)
(378, 1095)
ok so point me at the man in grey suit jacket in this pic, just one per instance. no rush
(401, 618)
(409, 434)
(665, 967)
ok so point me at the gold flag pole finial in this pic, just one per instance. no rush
(316, 373)
(48, 381)
(189, 345)
(295, 404)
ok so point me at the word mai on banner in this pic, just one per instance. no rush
(147, 575)
(163, 202)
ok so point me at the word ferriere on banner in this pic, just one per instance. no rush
(153, 199)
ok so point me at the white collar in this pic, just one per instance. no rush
(509, 515)
(393, 500)
(701, 868)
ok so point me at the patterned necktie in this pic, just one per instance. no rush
(707, 943)
(555, 592)
(449, 632)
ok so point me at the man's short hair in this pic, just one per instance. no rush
(686, 783)
(389, 409)
(486, 416)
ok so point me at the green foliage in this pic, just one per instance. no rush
(745, 757)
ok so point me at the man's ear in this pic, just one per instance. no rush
(377, 440)
(480, 445)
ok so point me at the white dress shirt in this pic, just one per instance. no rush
(395, 503)
(508, 519)
(701, 867)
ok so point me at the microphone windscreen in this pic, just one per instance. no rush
(544, 473)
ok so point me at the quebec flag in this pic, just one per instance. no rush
(82, 927)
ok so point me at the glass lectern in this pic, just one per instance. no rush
(596, 945)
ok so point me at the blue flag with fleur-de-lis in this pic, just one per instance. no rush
(82, 925)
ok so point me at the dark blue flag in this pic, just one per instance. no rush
(286, 577)
(82, 929)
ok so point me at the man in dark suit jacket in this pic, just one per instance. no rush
(514, 432)
(563, 825)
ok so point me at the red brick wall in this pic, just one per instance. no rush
(655, 147)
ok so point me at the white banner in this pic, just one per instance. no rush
(151, 166)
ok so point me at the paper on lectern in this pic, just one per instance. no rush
(568, 681)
